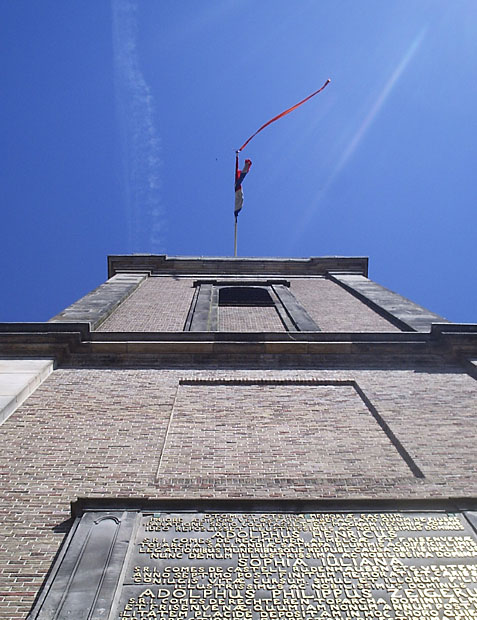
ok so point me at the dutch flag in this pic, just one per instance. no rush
(239, 177)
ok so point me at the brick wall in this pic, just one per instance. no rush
(162, 304)
(159, 304)
(100, 432)
(336, 310)
(249, 319)
(222, 428)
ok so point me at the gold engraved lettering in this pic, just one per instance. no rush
(300, 566)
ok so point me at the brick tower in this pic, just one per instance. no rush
(235, 438)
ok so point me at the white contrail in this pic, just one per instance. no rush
(139, 139)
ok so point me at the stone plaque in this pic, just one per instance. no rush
(265, 566)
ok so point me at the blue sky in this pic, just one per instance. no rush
(119, 121)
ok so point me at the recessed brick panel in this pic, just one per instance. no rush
(159, 304)
(335, 310)
(275, 430)
(249, 319)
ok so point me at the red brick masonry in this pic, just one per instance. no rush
(102, 432)
(162, 304)
(159, 304)
(336, 310)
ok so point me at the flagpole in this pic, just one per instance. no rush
(236, 214)
(235, 237)
(240, 175)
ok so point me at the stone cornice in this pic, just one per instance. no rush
(64, 340)
(265, 504)
(225, 266)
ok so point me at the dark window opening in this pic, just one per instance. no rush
(244, 296)
(211, 295)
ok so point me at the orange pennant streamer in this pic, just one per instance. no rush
(284, 114)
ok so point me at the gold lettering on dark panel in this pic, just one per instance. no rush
(345, 566)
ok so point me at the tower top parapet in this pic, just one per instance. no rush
(206, 265)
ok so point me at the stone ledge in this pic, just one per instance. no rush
(61, 340)
(18, 379)
(95, 307)
(264, 504)
(232, 347)
(61, 327)
(259, 336)
(402, 312)
(471, 367)
(225, 266)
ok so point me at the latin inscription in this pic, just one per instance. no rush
(344, 566)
